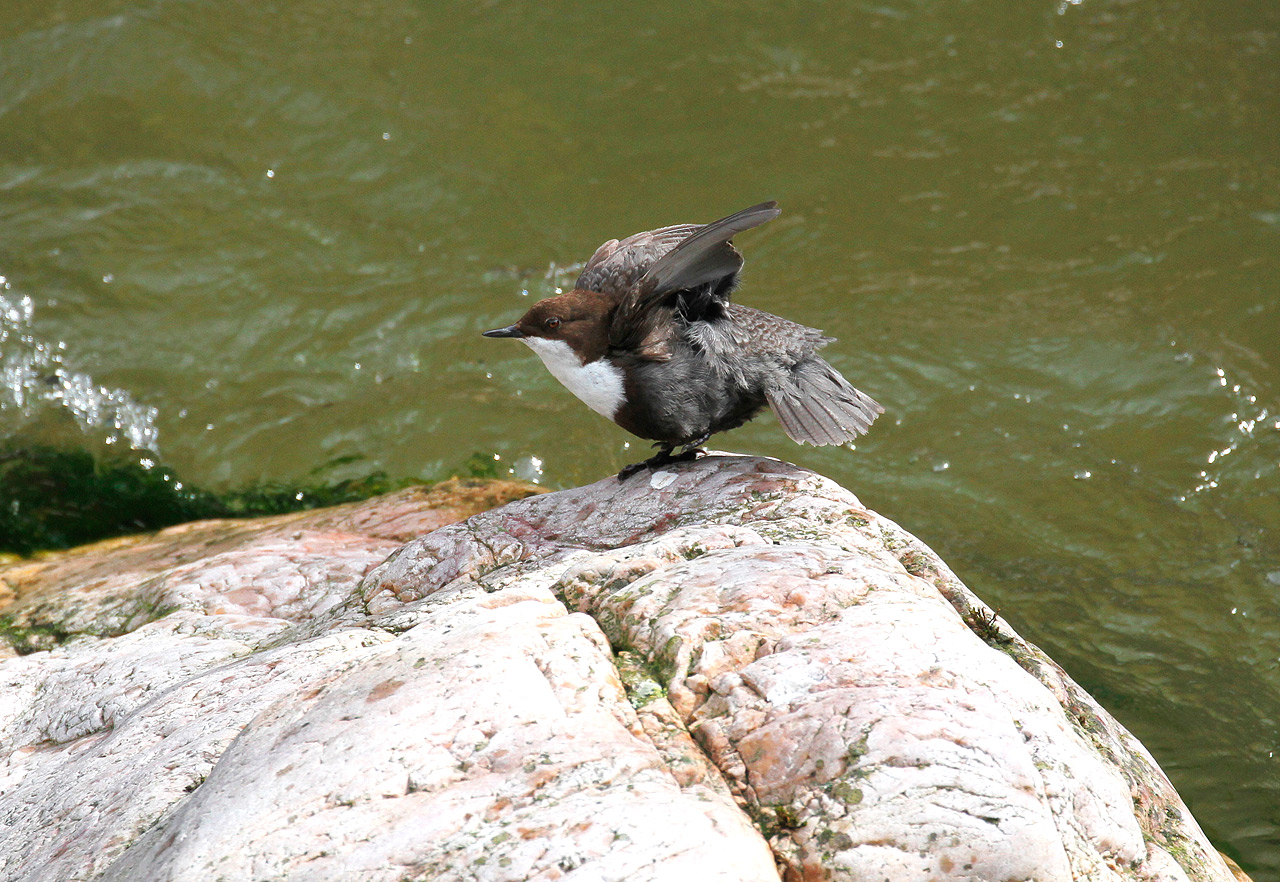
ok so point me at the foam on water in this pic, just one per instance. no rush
(34, 375)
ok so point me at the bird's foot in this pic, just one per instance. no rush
(630, 470)
(661, 458)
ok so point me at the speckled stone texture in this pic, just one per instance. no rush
(727, 669)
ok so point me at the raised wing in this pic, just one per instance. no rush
(701, 268)
(617, 267)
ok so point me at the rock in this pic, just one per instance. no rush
(285, 567)
(728, 669)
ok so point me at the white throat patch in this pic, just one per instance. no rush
(598, 384)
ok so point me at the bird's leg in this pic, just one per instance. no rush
(662, 457)
(693, 449)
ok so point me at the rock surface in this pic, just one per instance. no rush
(726, 670)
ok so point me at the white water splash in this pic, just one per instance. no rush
(33, 374)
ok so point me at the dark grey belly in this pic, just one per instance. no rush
(682, 400)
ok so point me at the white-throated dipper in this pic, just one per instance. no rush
(649, 338)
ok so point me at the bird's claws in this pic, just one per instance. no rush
(630, 470)
(664, 457)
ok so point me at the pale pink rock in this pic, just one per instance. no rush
(290, 566)
(722, 670)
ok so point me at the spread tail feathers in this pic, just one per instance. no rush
(818, 406)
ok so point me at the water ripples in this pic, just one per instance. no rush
(34, 375)
(1254, 438)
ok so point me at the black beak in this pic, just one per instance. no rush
(511, 331)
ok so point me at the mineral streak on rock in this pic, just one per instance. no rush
(726, 670)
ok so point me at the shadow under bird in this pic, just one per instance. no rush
(649, 338)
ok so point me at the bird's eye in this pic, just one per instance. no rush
(552, 323)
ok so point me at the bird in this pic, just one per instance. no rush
(650, 338)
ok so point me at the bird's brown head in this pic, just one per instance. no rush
(578, 318)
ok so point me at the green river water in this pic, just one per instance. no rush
(253, 240)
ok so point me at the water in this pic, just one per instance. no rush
(258, 239)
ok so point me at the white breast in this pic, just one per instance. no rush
(598, 384)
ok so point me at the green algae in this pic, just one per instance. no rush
(639, 679)
(26, 639)
(51, 498)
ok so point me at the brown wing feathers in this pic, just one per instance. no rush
(706, 255)
(702, 257)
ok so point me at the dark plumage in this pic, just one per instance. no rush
(650, 338)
